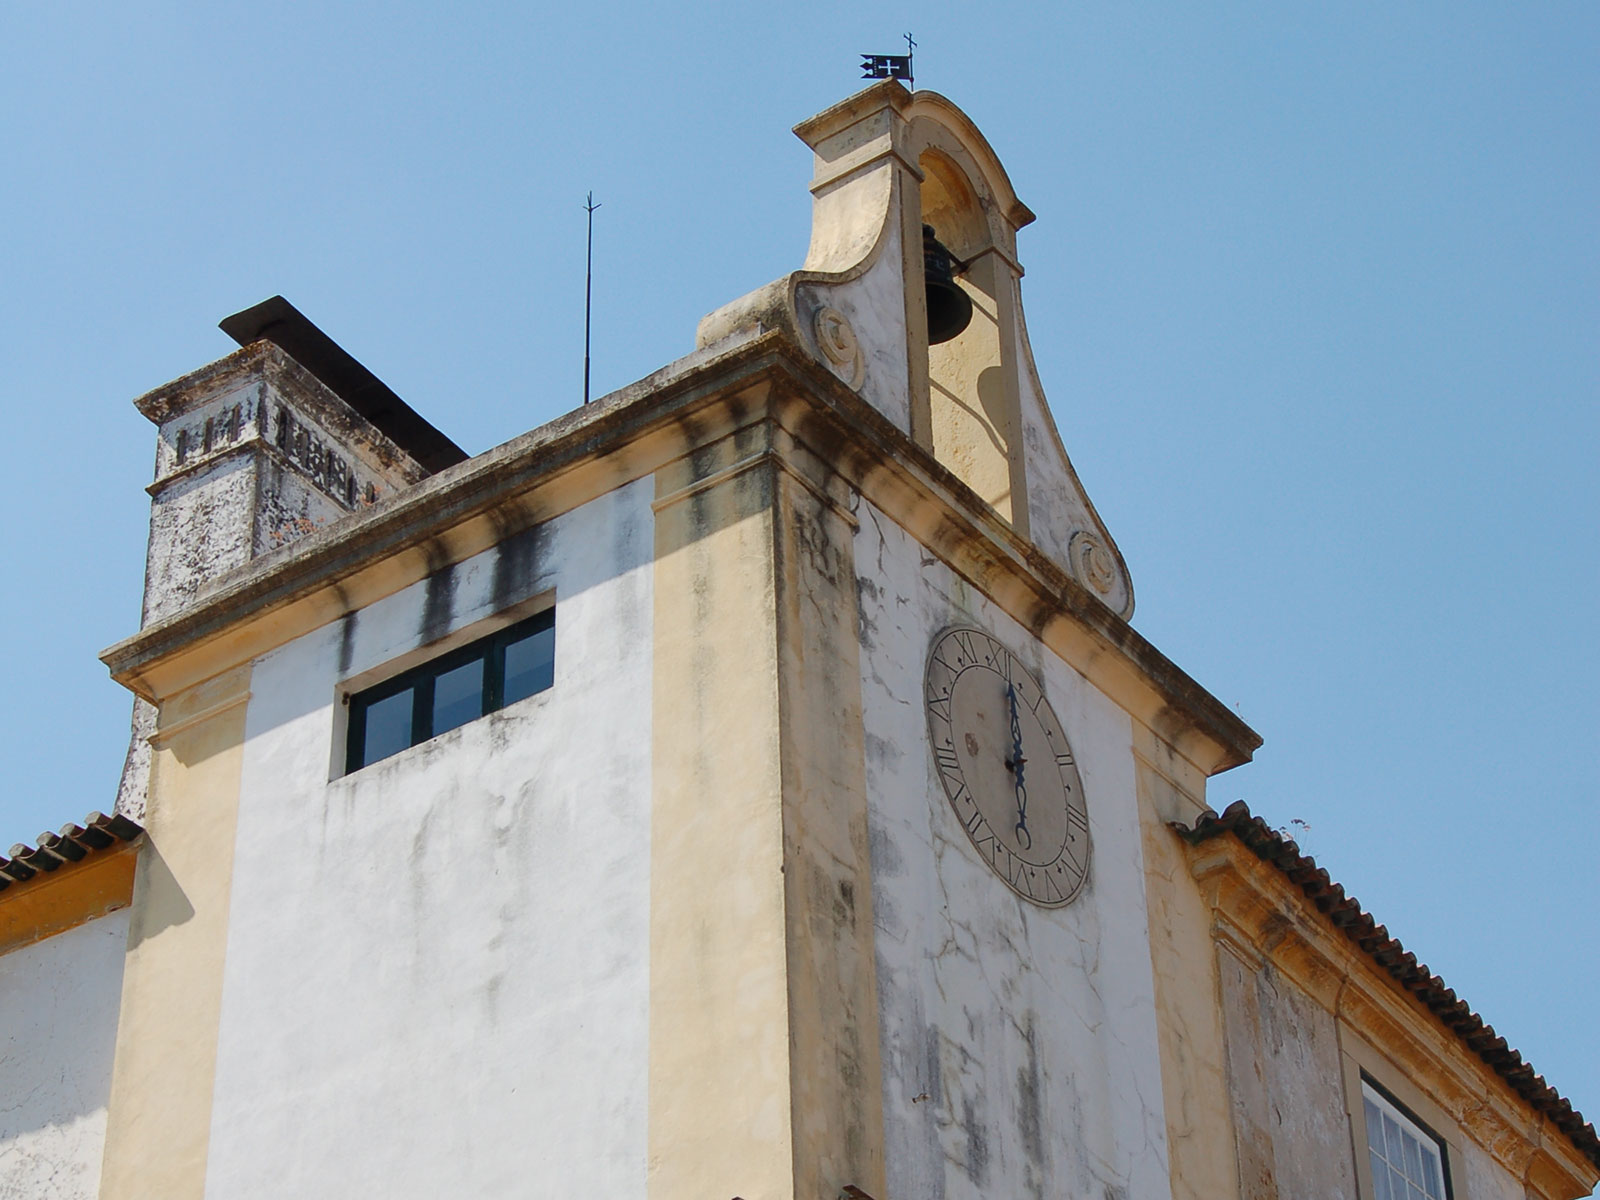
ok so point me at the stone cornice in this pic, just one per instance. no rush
(263, 362)
(591, 450)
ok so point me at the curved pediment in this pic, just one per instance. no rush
(889, 163)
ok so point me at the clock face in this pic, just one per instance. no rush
(1006, 766)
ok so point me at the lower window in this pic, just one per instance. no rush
(1408, 1161)
(451, 690)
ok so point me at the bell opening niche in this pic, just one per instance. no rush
(973, 418)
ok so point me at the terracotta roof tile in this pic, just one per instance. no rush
(73, 844)
(1346, 913)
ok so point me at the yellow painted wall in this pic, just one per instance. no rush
(160, 1107)
(1194, 1079)
(833, 1001)
(719, 1042)
(765, 1079)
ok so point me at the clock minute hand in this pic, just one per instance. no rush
(1016, 762)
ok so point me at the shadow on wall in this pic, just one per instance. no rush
(160, 900)
(59, 1001)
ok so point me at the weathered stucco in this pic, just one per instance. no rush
(58, 1029)
(764, 1065)
(873, 306)
(252, 454)
(1019, 1043)
(1476, 1176)
(201, 525)
(160, 1111)
(1308, 1013)
(1292, 1131)
(455, 938)
(719, 1096)
(836, 1076)
(1194, 1069)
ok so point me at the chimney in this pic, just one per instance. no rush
(255, 451)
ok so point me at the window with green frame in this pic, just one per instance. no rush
(451, 690)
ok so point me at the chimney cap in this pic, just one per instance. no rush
(285, 326)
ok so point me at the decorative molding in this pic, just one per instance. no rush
(765, 457)
(1093, 563)
(166, 733)
(839, 345)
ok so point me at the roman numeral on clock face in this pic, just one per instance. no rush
(969, 650)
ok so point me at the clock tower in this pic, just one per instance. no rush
(746, 785)
(980, 884)
(758, 759)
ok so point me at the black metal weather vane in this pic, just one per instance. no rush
(891, 66)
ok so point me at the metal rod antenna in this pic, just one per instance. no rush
(588, 282)
(911, 62)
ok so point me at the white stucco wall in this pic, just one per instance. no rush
(437, 970)
(59, 1000)
(1058, 506)
(874, 303)
(1019, 1043)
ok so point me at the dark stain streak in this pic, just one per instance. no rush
(438, 602)
(869, 596)
(347, 643)
(933, 1065)
(1030, 1113)
(977, 1160)
(518, 565)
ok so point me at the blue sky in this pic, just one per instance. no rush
(1313, 290)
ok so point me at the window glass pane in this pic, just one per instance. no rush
(530, 665)
(1380, 1175)
(1413, 1158)
(388, 728)
(1397, 1184)
(458, 696)
(1413, 1192)
(1392, 1150)
(1430, 1175)
(1374, 1124)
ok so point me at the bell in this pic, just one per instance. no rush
(949, 306)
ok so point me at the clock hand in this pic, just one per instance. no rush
(1016, 762)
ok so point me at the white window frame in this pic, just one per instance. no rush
(1430, 1150)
